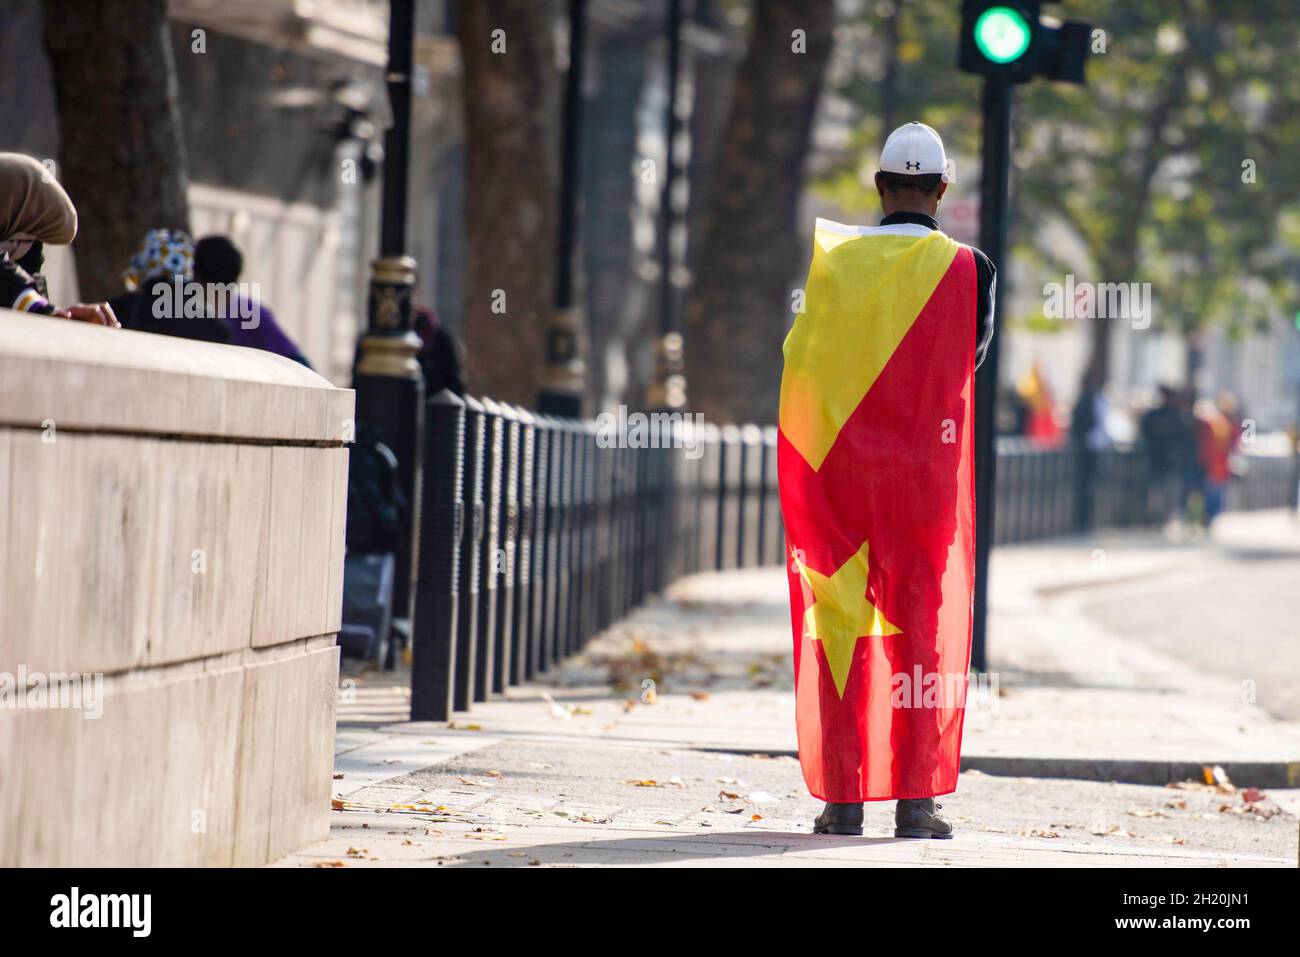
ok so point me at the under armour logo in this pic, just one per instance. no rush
(911, 165)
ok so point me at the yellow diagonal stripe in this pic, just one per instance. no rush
(862, 295)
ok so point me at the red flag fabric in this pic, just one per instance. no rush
(876, 470)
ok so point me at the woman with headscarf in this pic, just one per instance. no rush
(162, 296)
(34, 210)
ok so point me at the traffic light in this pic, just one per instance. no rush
(1011, 40)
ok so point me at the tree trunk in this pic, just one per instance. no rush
(121, 149)
(749, 252)
(510, 217)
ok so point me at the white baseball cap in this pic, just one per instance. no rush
(915, 149)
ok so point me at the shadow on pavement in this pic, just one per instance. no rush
(664, 849)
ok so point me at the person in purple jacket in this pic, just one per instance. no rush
(217, 265)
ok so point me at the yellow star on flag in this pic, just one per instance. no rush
(841, 614)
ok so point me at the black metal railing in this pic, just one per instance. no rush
(1043, 492)
(538, 532)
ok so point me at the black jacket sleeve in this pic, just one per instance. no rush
(986, 278)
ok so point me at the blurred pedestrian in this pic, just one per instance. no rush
(439, 355)
(1218, 438)
(1160, 438)
(1040, 405)
(1088, 440)
(162, 296)
(35, 210)
(1189, 458)
(218, 264)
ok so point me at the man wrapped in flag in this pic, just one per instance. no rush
(878, 496)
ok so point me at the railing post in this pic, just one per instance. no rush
(554, 537)
(433, 637)
(504, 651)
(471, 542)
(564, 541)
(620, 521)
(771, 547)
(728, 482)
(604, 578)
(708, 493)
(750, 504)
(523, 608)
(489, 559)
(543, 548)
(589, 593)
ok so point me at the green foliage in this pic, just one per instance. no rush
(1144, 165)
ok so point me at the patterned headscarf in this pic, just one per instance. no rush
(33, 206)
(165, 253)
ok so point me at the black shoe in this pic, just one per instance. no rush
(915, 817)
(839, 819)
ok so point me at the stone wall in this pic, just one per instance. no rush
(172, 520)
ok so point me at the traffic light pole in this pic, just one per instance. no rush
(995, 157)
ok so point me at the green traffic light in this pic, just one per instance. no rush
(1002, 34)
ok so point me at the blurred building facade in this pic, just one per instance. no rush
(283, 107)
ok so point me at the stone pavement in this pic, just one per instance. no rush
(669, 741)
